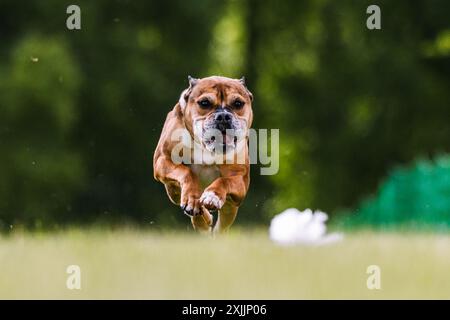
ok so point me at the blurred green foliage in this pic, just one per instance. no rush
(417, 196)
(81, 111)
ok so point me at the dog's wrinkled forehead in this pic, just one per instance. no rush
(219, 87)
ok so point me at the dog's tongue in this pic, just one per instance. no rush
(227, 139)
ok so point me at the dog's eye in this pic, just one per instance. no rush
(238, 104)
(204, 103)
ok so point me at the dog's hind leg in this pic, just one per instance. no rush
(203, 222)
(227, 215)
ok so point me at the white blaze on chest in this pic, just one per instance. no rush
(206, 174)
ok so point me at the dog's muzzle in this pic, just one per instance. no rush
(221, 131)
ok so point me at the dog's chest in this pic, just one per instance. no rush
(205, 173)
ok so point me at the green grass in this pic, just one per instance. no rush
(243, 265)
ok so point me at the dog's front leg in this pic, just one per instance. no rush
(184, 189)
(225, 194)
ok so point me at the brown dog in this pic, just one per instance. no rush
(215, 113)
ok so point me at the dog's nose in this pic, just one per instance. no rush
(223, 117)
(223, 120)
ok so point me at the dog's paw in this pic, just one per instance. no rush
(190, 203)
(192, 208)
(211, 200)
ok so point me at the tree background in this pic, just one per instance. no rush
(81, 111)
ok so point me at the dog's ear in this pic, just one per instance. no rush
(185, 94)
(242, 81)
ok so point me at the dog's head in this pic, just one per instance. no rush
(217, 111)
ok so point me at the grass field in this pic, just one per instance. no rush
(128, 264)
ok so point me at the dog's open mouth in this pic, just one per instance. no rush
(226, 139)
(216, 140)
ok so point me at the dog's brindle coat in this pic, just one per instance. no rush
(217, 102)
